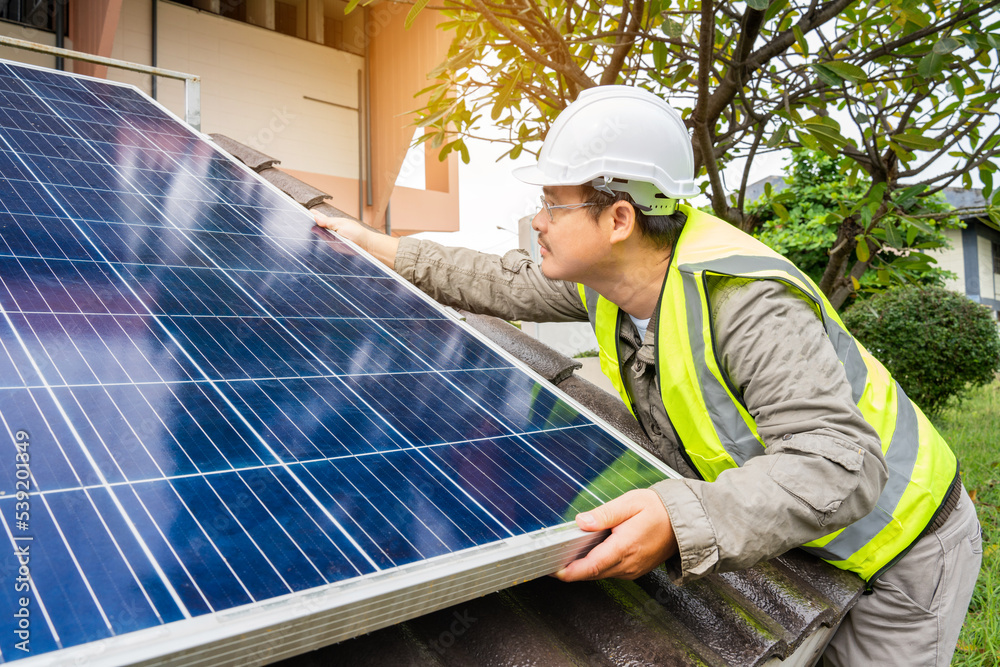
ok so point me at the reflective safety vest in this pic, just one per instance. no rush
(712, 422)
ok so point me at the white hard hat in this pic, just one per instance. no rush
(623, 133)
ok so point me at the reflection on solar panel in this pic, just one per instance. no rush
(228, 436)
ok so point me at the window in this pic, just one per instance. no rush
(996, 258)
(35, 13)
(286, 19)
(329, 24)
(234, 9)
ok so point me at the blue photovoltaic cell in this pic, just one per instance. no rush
(223, 404)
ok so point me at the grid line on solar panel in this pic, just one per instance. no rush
(94, 464)
(237, 383)
(298, 310)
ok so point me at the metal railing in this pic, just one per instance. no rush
(192, 82)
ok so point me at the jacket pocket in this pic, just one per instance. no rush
(514, 260)
(820, 472)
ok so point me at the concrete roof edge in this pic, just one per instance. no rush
(251, 157)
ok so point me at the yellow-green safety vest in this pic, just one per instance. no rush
(716, 430)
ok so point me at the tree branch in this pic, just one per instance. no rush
(569, 70)
(624, 45)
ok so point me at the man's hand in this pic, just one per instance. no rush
(641, 538)
(349, 228)
(381, 246)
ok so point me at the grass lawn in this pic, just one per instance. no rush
(973, 431)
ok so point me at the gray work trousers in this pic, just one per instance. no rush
(916, 612)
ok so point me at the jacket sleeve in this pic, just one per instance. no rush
(822, 468)
(511, 287)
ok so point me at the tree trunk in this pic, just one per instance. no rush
(834, 284)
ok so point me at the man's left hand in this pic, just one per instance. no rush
(641, 538)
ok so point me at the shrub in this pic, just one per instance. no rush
(936, 343)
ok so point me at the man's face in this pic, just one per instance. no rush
(571, 242)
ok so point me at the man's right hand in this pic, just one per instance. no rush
(381, 246)
(349, 228)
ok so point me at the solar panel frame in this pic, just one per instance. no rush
(285, 625)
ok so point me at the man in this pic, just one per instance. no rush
(789, 433)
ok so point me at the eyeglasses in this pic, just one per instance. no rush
(547, 207)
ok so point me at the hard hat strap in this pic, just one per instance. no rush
(645, 195)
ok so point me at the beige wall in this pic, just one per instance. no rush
(987, 279)
(951, 259)
(254, 84)
(31, 35)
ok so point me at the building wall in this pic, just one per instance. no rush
(399, 57)
(987, 279)
(295, 98)
(30, 34)
(254, 84)
(951, 259)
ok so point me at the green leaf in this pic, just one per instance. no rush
(906, 196)
(778, 136)
(759, 5)
(780, 210)
(957, 86)
(826, 131)
(503, 97)
(892, 236)
(847, 71)
(917, 141)
(660, 55)
(917, 223)
(515, 152)
(946, 46)
(774, 8)
(414, 10)
(801, 39)
(931, 65)
(866, 217)
(673, 29)
(681, 73)
(862, 250)
(994, 41)
(827, 75)
(809, 141)
(351, 6)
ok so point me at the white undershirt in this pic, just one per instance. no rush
(641, 325)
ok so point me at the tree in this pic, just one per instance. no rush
(801, 220)
(893, 85)
(935, 343)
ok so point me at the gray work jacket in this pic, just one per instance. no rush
(822, 468)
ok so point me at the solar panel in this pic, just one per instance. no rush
(229, 436)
